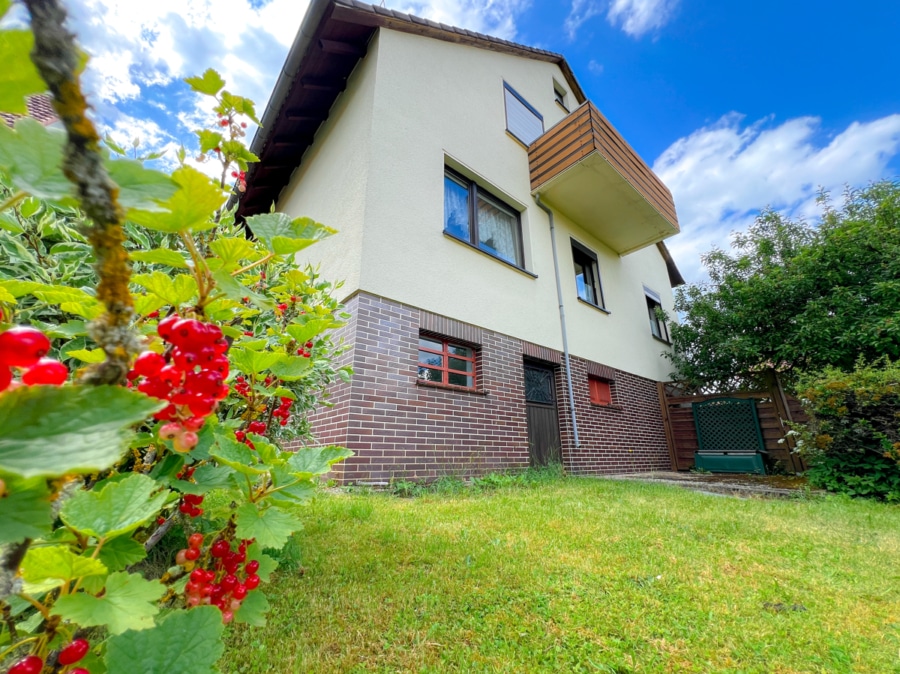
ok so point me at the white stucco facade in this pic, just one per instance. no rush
(376, 173)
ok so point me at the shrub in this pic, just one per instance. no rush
(853, 439)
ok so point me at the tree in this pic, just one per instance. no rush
(793, 297)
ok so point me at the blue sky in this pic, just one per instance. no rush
(735, 105)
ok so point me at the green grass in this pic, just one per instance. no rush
(580, 575)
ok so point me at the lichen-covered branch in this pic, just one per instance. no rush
(57, 59)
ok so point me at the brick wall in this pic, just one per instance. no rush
(402, 429)
(628, 437)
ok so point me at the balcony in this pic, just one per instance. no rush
(585, 170)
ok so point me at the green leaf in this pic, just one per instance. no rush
(241, 105)
(253, 610)
(9, 223)
(189, 209)
(32, 158)
(18, 77)
(114, 146)
(187, 642)
(145, 304)
(129, 603)
(120, 553)
(50, 431)
(4, 7)
(57, 563)
(66, 330)
(87, 355)
(6, 296)
(293, 491)
(303, 332)
(25, 510)
(234, 454)
(236, 151)
(175, 291)
(232, 250)
(116, 509)
(71, 300)
(253, 362)
(160, 256)
(209, 140)
(271, 527)
(283, 235)
(210, 83)
(312, 461)
(140, 187)
(233, 290)
(267, 565)
(291, 368)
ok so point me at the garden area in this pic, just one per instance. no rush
(553, 574)
(162, 497)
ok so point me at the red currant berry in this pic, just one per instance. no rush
(239, 591)
(31, 664)
(46, 372)
(164, 329)
(185, 508)
(5, 377)
(252, 567)
(153, 314)
(252, 582)
(195, 540)
(23, 346)
(74, 652)
(160, 520)
(148, 364)
(309, 345)
(220, 548)
(181, 557)
(170, 431)
(79, 670)
(192, 554)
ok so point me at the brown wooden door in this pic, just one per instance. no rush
(543, 420)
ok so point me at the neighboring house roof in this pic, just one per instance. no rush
(333, 37)
(40, 107)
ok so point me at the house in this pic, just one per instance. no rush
(499, 241)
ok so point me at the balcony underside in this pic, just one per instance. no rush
(585, 170)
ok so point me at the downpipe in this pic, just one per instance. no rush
(562, 320)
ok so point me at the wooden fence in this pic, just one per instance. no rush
(773, 408)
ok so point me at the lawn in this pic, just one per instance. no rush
(582, 575)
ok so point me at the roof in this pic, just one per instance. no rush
(332, 39)
(40, 107)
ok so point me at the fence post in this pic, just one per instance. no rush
(783, 409)
(667, 424)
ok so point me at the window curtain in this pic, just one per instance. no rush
(497, 230)
(456, 209)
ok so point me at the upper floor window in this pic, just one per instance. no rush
(654, 306)
(444, 362)
(587, 275)
(481, 219)
(559, 94)
(522, 120)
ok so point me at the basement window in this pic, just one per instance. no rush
(443, 361)
(601, 391)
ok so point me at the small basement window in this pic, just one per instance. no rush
(522, 120)
(443, 361)
(601, 391)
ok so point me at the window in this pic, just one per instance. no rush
(587, 277)
(559, 94)
(657, 326)
(481, 219)
(601, 391)
(522, 120)
(443, 362)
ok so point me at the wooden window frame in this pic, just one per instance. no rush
(445, 369)
(474, 239)
(594, 384)
(579, 250)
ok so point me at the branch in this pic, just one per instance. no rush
(57, 59)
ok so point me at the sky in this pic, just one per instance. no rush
(736, 106)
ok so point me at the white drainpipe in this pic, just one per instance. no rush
(562, 320)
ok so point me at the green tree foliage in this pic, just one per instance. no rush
(795, 297)
(853, 438)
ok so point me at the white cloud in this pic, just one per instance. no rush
(492, 17)
(137, 44)
(635, 17)
(723, 174)
(594, 67)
